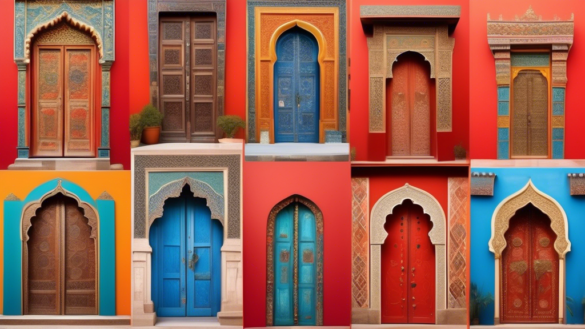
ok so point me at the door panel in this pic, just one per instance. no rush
(410, 100)
(530, 270)
(296, 88)
(530, 115)
(408, 267)
(307, 266)
(283, 271)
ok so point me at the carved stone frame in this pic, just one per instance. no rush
(500, 224)
(384, 207)
(383, 53)
(29, 211)
(270, 257)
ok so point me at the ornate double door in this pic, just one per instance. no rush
(186, 259)
(296, 88)
(295, 271)
(60, 261)
(530, 265)
(63, 101)
(408, 267)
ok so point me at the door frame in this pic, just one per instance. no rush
(500, 223)
(271, 226)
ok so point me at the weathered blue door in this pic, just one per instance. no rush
(186, 259)
(294, 269)
(296, 88)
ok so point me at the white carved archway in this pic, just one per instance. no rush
(384, 207)
(529, 194)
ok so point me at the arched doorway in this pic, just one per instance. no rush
(296, 87)
(60, 267)
(186, 258)
(410, 106)
(408, 267)
(530, 269)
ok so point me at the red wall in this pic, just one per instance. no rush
(328, 185)
(483, 77)
(366, 144)
(8, 87)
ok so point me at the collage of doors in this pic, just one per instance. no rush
(230, 164)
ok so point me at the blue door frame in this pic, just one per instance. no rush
(296, 88)
(186, 259)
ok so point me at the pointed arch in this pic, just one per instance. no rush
(545, 203)
(321, 41)
(270, 256)
(425, 55)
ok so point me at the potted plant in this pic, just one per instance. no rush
(151, 120)
(230, 124)
(135, 130)
(477, 302)
(460, 152)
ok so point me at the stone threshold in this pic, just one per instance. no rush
(407, 326)
(61, 320)
(65, 164)
(527, 326)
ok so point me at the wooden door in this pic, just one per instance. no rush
(63, 107)
(530, 115)
(530, 265)
(409, 98)
(186, 257)
(296, 88)
(188, 78)
(295, 266)
(60, 267)
(408, 267)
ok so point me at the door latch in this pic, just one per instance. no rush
(298, 100)
(193, 261)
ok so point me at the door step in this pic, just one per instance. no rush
(68, 320)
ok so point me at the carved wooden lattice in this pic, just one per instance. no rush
(530, 114)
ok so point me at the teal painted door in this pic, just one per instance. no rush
(295, 268)
(186, 259)
(296, 88)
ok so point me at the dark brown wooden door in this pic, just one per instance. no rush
(530, 282)
(188, 84)
(408, 267)
(60, 267)
(409, 100)
(63, 106)
(530, 115)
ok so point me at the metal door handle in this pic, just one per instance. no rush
(193, 261)
(298, 100)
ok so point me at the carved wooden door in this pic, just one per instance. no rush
(186, 257)
(296, 88)
(187, 75)
(408, 267)
(530, 115)
(530, 281)
(294, 266)
(60, 266)
(409, 99)
(63, 106)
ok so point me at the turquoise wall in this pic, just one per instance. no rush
(553, 182)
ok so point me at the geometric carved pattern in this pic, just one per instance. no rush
(360, 243)
(458, 214)
(508, 207)
(203, 117)
(63, 34)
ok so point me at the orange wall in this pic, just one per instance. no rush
(483, 86)
(359, 130)
(116, 183)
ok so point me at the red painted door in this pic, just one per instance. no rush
(530, 278)
(408, 267)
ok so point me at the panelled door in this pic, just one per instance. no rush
(294, 266)
(408, 267)
(296, 88)
(186, 257)
(187, 78)
(63, 102)
(530, 115)
(530, 278)
(409, 98)
(60, 261)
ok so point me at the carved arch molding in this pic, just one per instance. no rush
(390, 39)
(270, 280)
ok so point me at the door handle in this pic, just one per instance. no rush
(193, 260)
(298, 100)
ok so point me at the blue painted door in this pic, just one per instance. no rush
(296, 88)
(186, 259)
(298, 221)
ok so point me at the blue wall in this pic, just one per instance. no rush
(553, 182)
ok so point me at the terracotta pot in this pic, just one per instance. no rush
(230, 140)
(150, 135)
(134, 143)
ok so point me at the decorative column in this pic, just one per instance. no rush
(104, 149)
